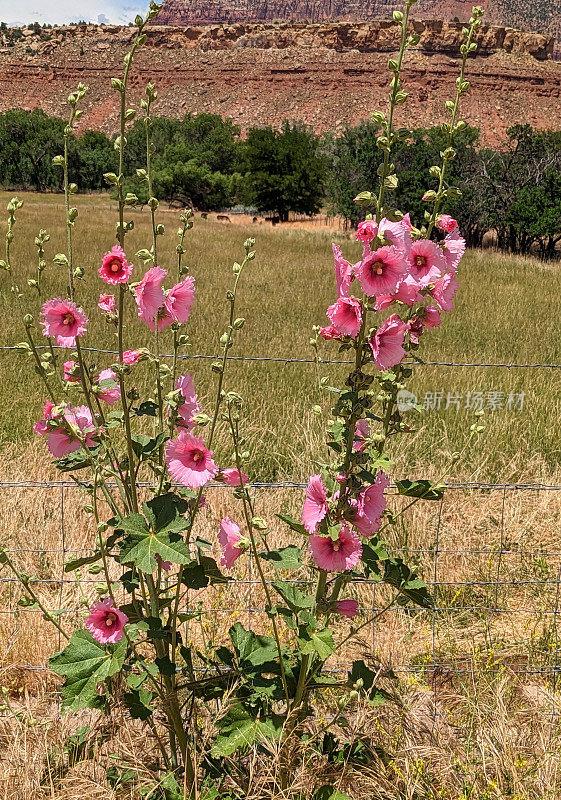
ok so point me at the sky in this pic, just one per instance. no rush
(22, 12)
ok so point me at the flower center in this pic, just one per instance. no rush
(420, 261)
(379, 267)
(336, 546)
(197, 456)
(68, 319)
(115, 265)
(110, 619)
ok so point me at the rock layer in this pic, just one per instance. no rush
(327, 74)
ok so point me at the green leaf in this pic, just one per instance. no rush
(165, 512)
(146, 409)
(427, 490)
(360, 671)
(286, 558)
(253, 648)
(145, 445)
(238, 730)
(398, 574)
(293, 597)
(194, 576)
(295, 526)
(80, 459)
(71, 566)
(85, 664)
(330, 793)
(138, 703)
(320, 642)
(141, 549)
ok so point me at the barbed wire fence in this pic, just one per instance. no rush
(522, 582)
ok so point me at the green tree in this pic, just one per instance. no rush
(286, 171)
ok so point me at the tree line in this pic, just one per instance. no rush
(514, 190)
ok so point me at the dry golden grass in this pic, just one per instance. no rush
(480, 724)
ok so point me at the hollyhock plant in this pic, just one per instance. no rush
(380, 270)
(346, 316)
(189, 461)
(106, 622)
(63, 321)
(144, 462)
(347, 608)
(387, 343)
(315, 505)
(231, 541)
(336, 555)
(115, 268)
(106, 303)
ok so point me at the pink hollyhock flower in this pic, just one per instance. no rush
(366, 231)
(431, 317)
(189, 462)
(336, 555)
(61, 442)
(149, 295)
(343, 271)
(315, 504)
(115, 267)
(230, 538)
(71, 372)
(106, 623)
(346, 315)
(347, 608)
(41, 427)
(190, 406)
(426, 261)
(380, 270)
(444, 290)
(362, 432)
(107, 303)
(111, 394)
(329, 333)
(446, 223)
(398, 233)
(387, 342)
(131, 357)
(180, 300)
(407, 291)
(416, 329)
(454, 246)
(64, 321)
(371, 505)
(383, 301)
(406, 222)
(233, 477)
(164, 565)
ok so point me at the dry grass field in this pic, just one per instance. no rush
(477, 716)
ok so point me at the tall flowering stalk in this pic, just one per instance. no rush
(259, 686)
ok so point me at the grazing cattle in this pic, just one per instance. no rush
(223, 218)
(204, 214)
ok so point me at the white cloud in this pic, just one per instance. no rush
(63, 11)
